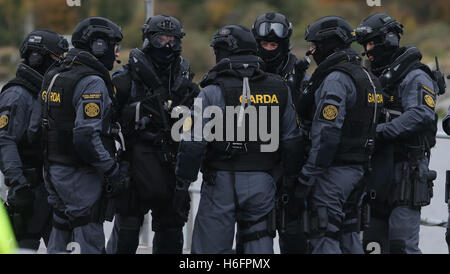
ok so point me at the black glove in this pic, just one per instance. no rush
(118, 180)
(20, 197)
(302, 191)
(182, 201)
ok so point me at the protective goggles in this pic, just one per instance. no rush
(280, 30)
(162, 40)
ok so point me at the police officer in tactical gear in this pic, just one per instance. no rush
(272, 32)
(155, 81)
(20, 159)
(238, 185)
(77, 127)
(401, 177)
(343, 118)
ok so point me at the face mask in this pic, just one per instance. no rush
(221, 54)
(41, 66)
(164, 55)
(108, 59)
(273, 58)
(381, 57)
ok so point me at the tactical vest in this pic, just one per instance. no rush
(59, 114)
(390, 81)
(147, 83)
(30, 153)
(358, 130)
(266, 90)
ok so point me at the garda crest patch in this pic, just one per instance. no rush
(329, 112)
(429, 101)
(4, 120)
(91, 110)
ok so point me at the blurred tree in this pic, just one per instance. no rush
(55, 15)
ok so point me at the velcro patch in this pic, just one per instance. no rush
(93, 96)
(91, 110)
(329, 112)
(4, 121)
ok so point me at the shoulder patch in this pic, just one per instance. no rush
(429, 101)
(4, 120)
(329, 112)
(91, 110)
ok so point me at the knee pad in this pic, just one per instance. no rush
(397, 247)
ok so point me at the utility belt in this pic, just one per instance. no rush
(240, 156)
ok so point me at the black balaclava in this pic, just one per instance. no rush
(327, 47)
(108, 59)
(221, 53)
(164, 55)
(39, 66)
(382, 56)
(274, 58)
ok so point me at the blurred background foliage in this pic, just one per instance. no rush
(426, 22)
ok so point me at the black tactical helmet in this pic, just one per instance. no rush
(235, 39)
(380, 28)
(44, 42)
(162, 24)
(38, 46)
(271, 26)
(330, 27)
(91, 29)
(162, 36)
(328, 35)
(384, 31)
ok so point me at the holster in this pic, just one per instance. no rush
(315, 221)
